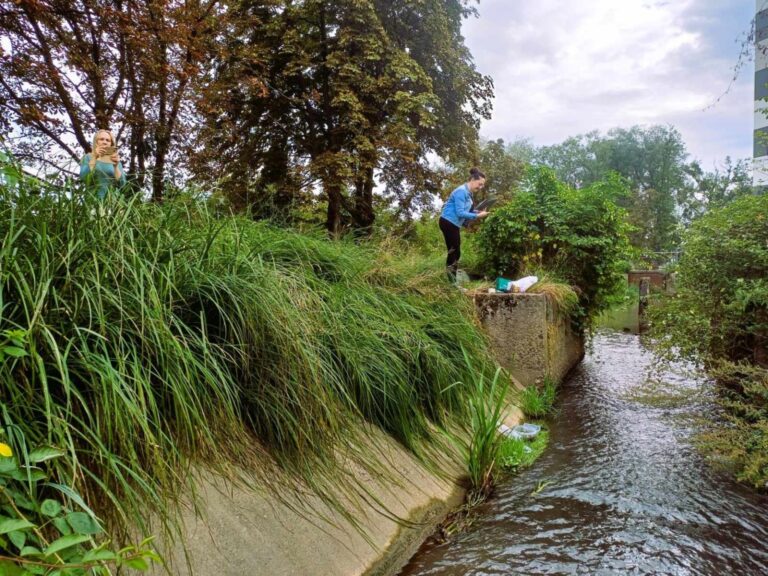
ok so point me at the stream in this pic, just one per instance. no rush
(620, 489)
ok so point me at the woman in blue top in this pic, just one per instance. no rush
(457, 212)
(107, 171)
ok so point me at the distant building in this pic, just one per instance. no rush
(760, 154)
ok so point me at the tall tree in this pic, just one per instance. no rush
(652, 159)
(342, 94)
(504, 164)
(716, 189)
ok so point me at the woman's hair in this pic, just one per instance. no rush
(475, 174)
(92, 161)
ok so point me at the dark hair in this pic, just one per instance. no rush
(475, 174)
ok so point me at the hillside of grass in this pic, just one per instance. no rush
(153, 338)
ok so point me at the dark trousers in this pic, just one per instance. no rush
(452, 235)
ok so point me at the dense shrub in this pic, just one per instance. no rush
(719, 317)
(579, 236)
(719, 310)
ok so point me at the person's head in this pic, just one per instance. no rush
(476, 180)
(103, 138)
(100, 139)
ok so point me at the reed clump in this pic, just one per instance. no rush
(158, 337)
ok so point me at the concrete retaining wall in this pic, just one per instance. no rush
(530, 337)
(239, 532)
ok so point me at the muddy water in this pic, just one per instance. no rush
(620, 489)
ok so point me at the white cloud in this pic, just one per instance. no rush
(562, 69)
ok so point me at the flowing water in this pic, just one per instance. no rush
(620, 489)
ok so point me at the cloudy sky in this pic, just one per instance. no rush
(565, 68)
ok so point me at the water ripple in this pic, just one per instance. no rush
(627, 493)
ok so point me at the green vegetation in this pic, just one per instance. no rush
(538, 401)
(486, 404)
(142, 339)
(578, 235)
(46, 527)
(719, 317)
(510, 455)
(516, 454)
(666, 189)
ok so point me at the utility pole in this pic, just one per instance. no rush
(760, 139)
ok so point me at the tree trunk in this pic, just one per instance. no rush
(158, 176)
(333, 220)
(364, 214)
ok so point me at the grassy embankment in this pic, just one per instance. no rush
(157, 338)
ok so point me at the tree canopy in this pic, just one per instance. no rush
(274, 101)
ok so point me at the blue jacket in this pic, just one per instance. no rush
(458, 208)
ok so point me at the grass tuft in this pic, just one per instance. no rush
(538, 401)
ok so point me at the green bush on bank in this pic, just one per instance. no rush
(160, 336)
(577, 235)
(719, 317)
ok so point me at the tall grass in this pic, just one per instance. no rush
(538, 401)
(161, 336)
(487, 403)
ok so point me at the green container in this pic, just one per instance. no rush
(503, 285)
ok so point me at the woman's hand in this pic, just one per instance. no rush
(115, 158)
(482, 214)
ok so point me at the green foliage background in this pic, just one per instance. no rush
(579, 235)
(719, 316)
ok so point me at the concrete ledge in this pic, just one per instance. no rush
(530, 337)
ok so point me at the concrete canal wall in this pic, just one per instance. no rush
(239, 532)
(530, 337)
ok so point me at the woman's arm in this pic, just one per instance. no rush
(119, 174)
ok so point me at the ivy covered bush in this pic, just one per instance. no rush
(578, 235)
(719, 317)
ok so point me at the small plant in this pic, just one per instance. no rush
(486, 405)
(537, 402)
(516, 453)
(540, 486)
(47, 529)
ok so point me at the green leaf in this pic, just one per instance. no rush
(137, 564)
(7, 465)
(99, 556)
(15, 351)
(18, 538)
(50, 508)
(62, 526)
(30, 551)
(65, 542)
(8, 568)
(82, 523)
(44, 453)
(72, 495)
(11, 524)
(25, 474)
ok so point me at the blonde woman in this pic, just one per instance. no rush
(104, 169)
